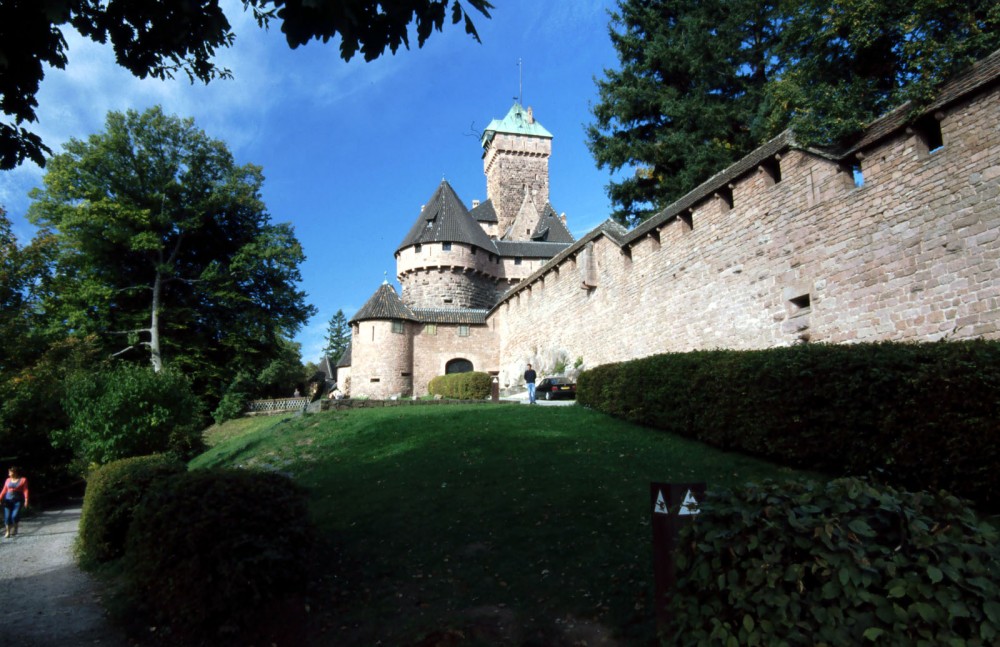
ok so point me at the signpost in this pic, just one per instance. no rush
(672, 505)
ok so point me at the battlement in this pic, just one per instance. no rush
(897, 238)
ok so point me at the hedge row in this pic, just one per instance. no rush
(462, 386)
(842, 563)
(924, 416)
(208, 554)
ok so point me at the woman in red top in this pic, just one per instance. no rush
(14, 496)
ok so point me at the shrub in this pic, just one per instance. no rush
(918, 415)
(130, 411)
(211, 551)
(844, 563)
(462, 386)
(232, 406)
(113, 492)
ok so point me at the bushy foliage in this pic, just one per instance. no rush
(844, 563)
(113, 492)
(473, 385)
(130, 411)
(210, 551)
(919, 415)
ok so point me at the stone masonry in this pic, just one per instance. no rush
(896, 238)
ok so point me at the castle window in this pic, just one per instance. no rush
(398, 327)
(928, 132)
(446, 247)
(375, 379)
(430, 329)
(518, 260)
(800, 304)
(687, 219)
(463, 330)
(448, 299)
(418, 248)
(725, 195)
(771, 170)
(473, 251)
(405, 374)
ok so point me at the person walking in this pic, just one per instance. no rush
(529, 378)
(14, 496)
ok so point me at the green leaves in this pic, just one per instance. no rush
(159, 230)
(702, 83)
(860, 587)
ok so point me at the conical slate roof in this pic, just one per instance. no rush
(445, 219)
(384, 304)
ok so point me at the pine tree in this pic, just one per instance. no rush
(338, 336)
(703, 82)
(686, 100)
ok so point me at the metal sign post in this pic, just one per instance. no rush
(672, 505)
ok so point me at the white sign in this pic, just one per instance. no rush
(689, 506)
(661, 504)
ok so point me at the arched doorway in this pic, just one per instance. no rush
(458, 366)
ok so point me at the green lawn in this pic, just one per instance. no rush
(479, 524)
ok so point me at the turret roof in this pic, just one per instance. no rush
(384, 304)
(445, 219)
(517, 122)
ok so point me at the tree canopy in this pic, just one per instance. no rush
(161, 39)
(703, 82)
(166, 251)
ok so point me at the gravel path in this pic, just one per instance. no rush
(47, 600)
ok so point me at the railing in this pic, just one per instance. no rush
(279, 405)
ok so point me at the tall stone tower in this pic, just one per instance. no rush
(516, 151)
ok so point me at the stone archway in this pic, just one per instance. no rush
(458, 365)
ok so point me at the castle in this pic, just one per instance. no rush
(895, 238)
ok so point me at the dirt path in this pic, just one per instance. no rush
(47, 600)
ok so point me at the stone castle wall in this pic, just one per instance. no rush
(787, 253)
(511, 163)
(463, 277)
(432, 352)
(382, 360)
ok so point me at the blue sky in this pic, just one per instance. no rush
(351, 151)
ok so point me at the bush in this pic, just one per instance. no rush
(130, 411)
(843, 563)
(918, 415)
(232, 406)
(113, 492)
(462, 386)
(211, 551)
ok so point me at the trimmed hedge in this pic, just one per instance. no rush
(924, 416)
(113, 492)
(212, 553)
(473, 385)
(842, 563)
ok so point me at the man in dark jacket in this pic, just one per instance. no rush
(529, 379)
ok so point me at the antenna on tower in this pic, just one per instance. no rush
(520, 88)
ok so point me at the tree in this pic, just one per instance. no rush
(850, 61)
(686, 100)
(163, 240)
(703, 83)
(25, 280)
(130, 411)
(338, 336)
(160, 39)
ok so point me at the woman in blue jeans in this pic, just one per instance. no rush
(14, 496)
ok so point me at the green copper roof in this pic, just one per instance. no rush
(517, 122)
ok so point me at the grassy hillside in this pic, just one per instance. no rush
(479, 524)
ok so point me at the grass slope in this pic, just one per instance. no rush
(480, 524)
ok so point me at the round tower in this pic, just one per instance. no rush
(446, 260)
(382, 347)
(516, 151)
